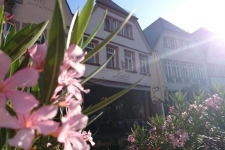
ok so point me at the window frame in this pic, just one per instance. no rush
(96, 56)
(132, 53)
(115, 57)
(147, 64)
(169, 42)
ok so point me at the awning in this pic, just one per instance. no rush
(116, 84)
(158, 82)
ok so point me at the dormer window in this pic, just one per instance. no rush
(169, 42)
(112, 23)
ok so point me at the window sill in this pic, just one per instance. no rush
(94, 64)
(130, 38)
(115, 68)
(131, 71)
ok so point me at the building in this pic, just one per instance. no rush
(32, 11)
(182, 58)
(213, 49)
(129, 64)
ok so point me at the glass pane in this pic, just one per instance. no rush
(107, 23)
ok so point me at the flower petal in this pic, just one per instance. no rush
(5, 63)
(46, 127)
(78, 121)
(22, 102)
(73, 90)
(22, 139)
(77, 141)
(8, 121)
(23, 78)
(45, 113)
(74, 50)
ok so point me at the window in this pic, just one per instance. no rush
(192, 71)
(128, 61)
(143, 64)
(112, 23)
(177, 72)
(184, 70)
(88, 48)
(185, 45)
(7, 27)
(110, 51)
(94, 60)
(127, 31)
(107, 24)
(169, 42)
(168, 70)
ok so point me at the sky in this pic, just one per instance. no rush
(189, 15)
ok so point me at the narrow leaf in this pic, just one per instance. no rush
(25, 38)
(55, 53)
(95, 31)
(82, 22)
(12, 32)
(96, 71)
(2, 18)
(71, 28)
(111, 99)
(24, 62)
(92, 119)
(14, 66)
(106, 41)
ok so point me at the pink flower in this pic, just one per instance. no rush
(28, 123)
(38, 53)
(184, 114)
(87, 137)
(21, 101)
(69, 133)
(131, 138)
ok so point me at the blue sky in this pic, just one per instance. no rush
(186, 14)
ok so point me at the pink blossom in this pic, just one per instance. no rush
(38, 53)
(69, 133)
(28, 123)
(131, 138)
(87, 137)
(21, 101)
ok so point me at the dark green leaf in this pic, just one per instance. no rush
(93, 118)
(106, 41)
(111, 99)
(25, 38)
(55, 53)
(82, 22)
(2, 18)
(14, 67)
(95, 31)
(24, 62)
(96, 71)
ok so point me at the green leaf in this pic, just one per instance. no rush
(3, 132)
(12, 32)
(92, 119)
(2, 18)
(95, 31)
(96, 71)
(35, 90)
(82, 22)
(55, 53)
(106, 41)
(25, 38)
(14, 67)
(24, 62)
(111, 99)
(71, 28)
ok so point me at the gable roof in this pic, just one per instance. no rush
(114, 6)
(153, 31)
(206, 38)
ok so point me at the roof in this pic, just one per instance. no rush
(153, 31)
(206, 38)
(114, 6)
